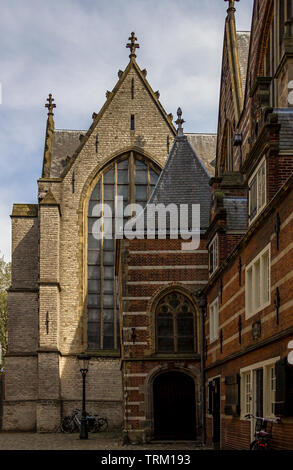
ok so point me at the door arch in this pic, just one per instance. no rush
(174, 406)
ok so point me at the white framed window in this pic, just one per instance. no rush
(246, 393)
(258, 389)
(213, 254)
(257, 283)
(214, 320)
(270, 380)
(257, 191)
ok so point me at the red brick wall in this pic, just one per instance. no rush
(233, 305)
(147, 268)
(236, 432)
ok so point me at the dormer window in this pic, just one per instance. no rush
(257, 191)
(213, 255)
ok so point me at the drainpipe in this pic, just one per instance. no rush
(201, 302)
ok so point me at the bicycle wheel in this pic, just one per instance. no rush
(102, 424)
(67, 425)
(254, 445)
(261, 445)
(264, 445)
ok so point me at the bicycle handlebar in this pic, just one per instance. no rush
(268, 420)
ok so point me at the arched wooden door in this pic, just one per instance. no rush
(174, 407)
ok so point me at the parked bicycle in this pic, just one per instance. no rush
(72, 423)
(263, 432)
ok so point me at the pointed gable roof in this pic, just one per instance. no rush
(142, 75)
(237, 46)
(110, 95)
(70, 143)
(184, 180)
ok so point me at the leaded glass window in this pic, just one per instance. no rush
(175, 325)
(134, 179)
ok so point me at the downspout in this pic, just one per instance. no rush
(201, 302)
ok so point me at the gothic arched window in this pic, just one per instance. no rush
(228, 147)
(175, 324)
(134, 178)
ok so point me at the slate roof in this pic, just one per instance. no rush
(183, 180)
(65, 142)
(285, 118)
(243, 41)
(205, 146)
(236, 213)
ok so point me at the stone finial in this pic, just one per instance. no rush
(179, 122)
(231, 7)
(49, 138)
(132, 45)
(50, 105)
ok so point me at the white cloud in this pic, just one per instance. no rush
(74, 49)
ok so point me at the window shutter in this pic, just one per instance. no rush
(284, 388)
(232, 399)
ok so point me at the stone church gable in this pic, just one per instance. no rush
(111, 132)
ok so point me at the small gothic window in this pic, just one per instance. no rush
(175, 324)
(132, 122)
(228, 147)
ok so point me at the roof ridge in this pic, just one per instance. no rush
(201, 133)
(70, 130)
(183, 180)
(172, 151)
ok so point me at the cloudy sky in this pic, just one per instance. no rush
(74, 49)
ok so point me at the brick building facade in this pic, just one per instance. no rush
(186, 342)
(249, 294)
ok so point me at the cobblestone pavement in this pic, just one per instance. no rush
(60, 441)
